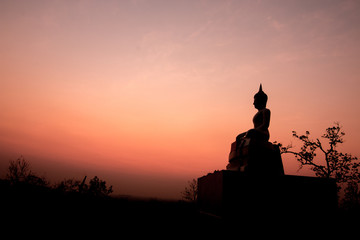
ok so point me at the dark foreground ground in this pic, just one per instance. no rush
(32, 210)
(39, 211)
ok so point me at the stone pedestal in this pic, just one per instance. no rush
(231, 194)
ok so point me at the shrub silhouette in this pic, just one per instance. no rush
(19, 172)
(191, 191)
(97, 187)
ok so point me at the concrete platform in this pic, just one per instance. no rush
(230, 194)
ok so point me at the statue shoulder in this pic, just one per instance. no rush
(266, 111)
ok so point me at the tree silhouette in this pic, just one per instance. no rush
(68, 186)
(343, 167)
(191, 191)
(352, 197)
(19, 172)
(97, 187)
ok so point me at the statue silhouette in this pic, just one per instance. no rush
(261, 119)
(251, 152)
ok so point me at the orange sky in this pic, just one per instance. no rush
(150, 94)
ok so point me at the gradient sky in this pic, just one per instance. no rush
(150, 94)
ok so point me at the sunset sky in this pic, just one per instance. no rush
(149, 94)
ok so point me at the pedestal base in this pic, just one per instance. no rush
(232, 194)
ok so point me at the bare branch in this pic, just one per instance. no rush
(306, 161)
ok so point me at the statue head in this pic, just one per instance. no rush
(260, 99)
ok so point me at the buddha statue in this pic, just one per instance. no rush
(261, 119)
(252, 153)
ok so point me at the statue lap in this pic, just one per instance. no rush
(255, 156)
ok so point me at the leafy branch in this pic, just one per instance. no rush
(342, 166)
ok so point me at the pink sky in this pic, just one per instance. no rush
(150, 94)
